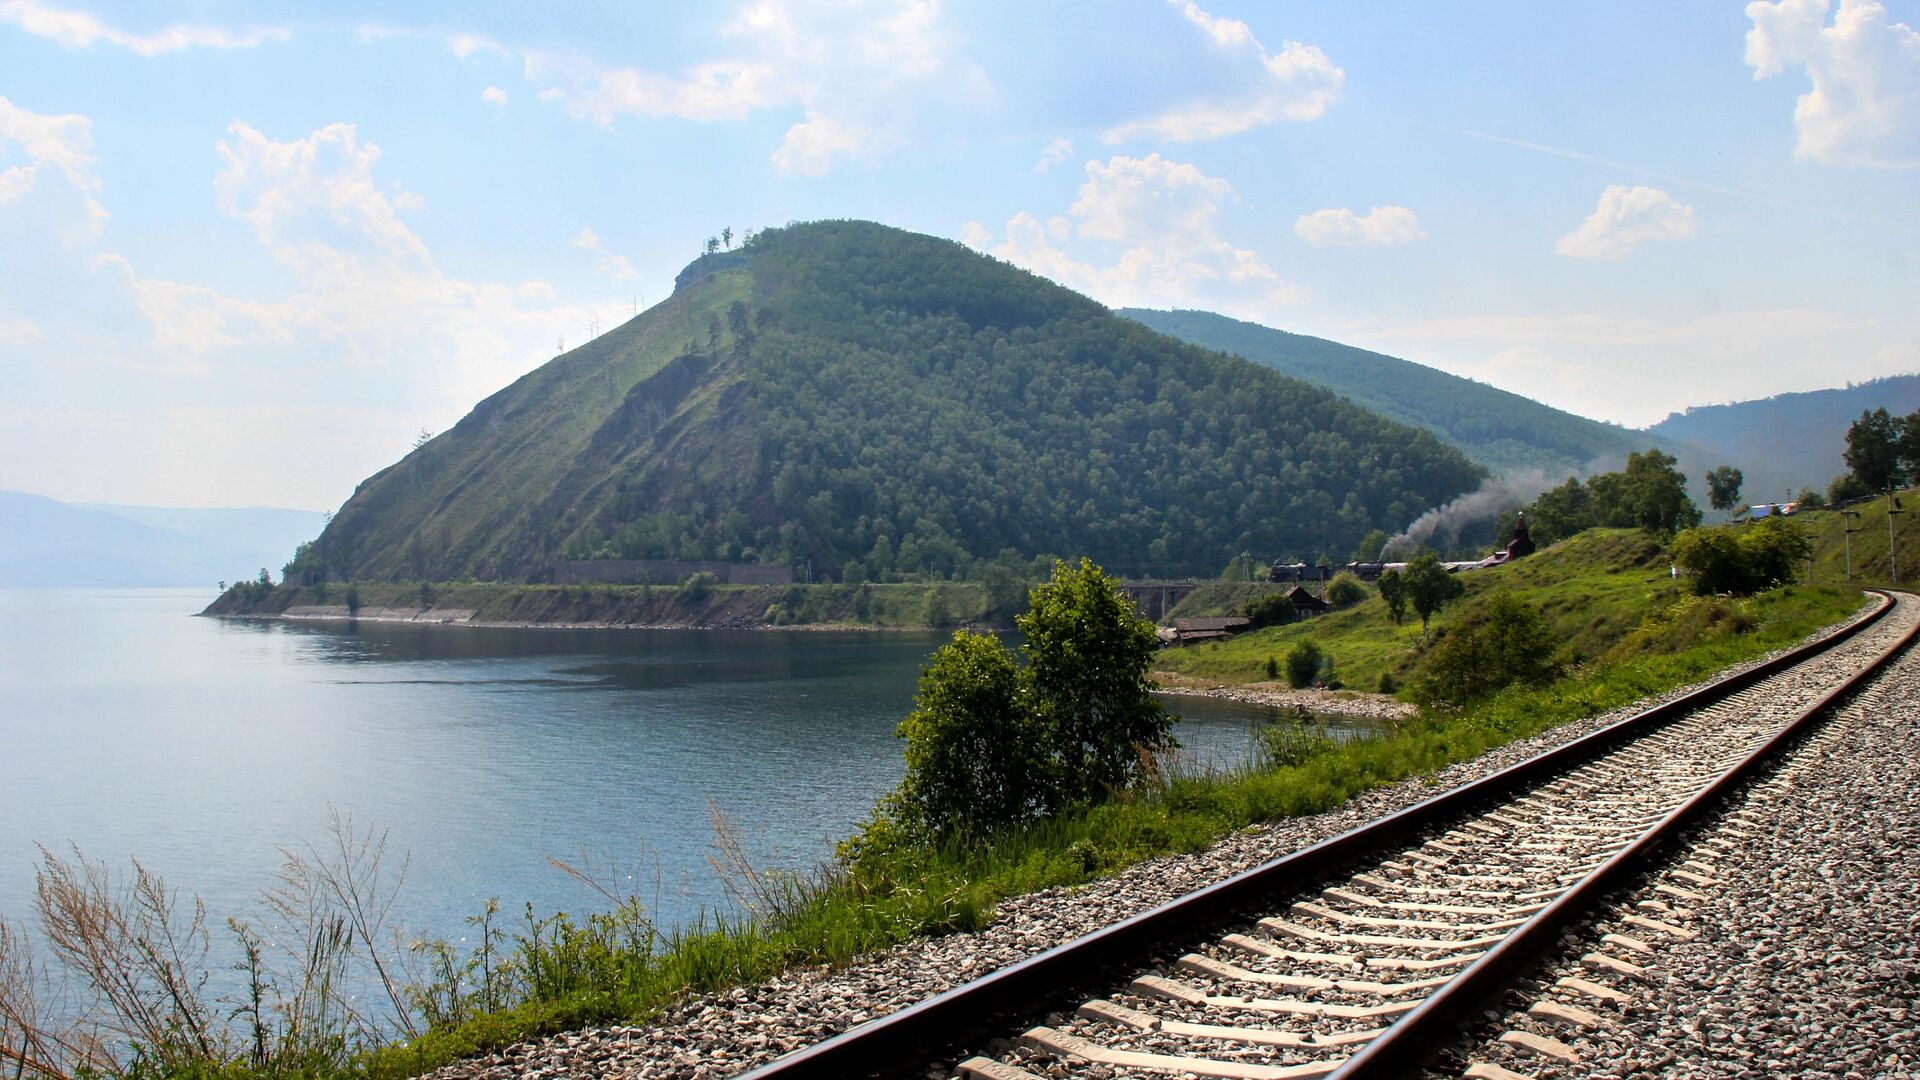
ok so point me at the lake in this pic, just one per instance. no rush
(203, 747)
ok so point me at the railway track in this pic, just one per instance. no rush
(1358, 956)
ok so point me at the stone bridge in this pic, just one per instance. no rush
(1156, 598)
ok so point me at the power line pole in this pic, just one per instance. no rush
(1847, 527)
(1893, 557)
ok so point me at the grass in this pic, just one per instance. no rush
(1593, 589)
(1631, 633)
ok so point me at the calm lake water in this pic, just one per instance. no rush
(203, 747)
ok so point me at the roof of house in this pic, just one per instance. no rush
(1301, 598)
(1226, 624)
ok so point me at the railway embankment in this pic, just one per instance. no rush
(725, 1033)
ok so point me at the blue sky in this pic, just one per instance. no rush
(250, 252)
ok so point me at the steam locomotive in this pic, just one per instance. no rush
(1522, 545)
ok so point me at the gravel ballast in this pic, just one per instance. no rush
(1805, 954)
(724, 1034)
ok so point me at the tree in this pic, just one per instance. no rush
(1873, 450)
(1393, 589)
(1497, 642)
(1273, 609)
(1371, 545)
(713, 244)
(1649, 493)
(726, 237)
(1429, 587)
(1303, 664)
(1749, 560)
(422, 439)
(1345, 590)
(1723, 489)
(971, 749)
(1810, 499)
(1088, 651)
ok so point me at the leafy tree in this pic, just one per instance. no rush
(1274, 609)
(1242, 568)
(1847, 486)
(1649, 493)
(1345, 590)
(1428, 587)
(1810, 499)
(1494, 644)
(972, 750)
(713, 244)
(1303, 664)
(938, 613)
(1371, 545)
(1561, 512)
(1088, 652)
(1723, 488)
(698, 586)
(726, 237)
(1742, 561)
(1393, 589)
(1873, 450)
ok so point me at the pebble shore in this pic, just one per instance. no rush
(723, 1034)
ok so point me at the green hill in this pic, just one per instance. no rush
(1501, 430)
(1790, 441)
(887, 404)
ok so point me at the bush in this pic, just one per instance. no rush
(972, 751)
(1742, 561)
(1303, 664)
(1274, 610)
(1496, 643)
(698, 587)
(1273, 667)
(1388, 684)
(1345, 590)
(1292, 743)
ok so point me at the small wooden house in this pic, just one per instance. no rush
(1306, 603)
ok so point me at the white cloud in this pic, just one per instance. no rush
(466, 46)
(1625, 218)
(1864, 107)
(1344, 228)
(1057, 151)
(18, 332)
(1298, 83)
(614, 266)
(1158, 222)
(857, 69)
(493, 95)
(77, 30)
(63, 144)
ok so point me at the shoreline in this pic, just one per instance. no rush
(454, 618)
(1280, 696)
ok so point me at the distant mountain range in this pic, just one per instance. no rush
(1497, 428)
(1790, 441)
(45, 543)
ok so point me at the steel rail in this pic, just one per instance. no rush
(1403, 1047)
(893, 1045)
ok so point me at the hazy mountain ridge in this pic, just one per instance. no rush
(1789, 441)
(45, 543)
(844, 392)
(1498, 428)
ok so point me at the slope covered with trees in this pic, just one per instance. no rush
(880, 404)
(1788, 442)
(1496, 428)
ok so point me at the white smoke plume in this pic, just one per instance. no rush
(1442, 525)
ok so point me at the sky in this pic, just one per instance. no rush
(248, 252)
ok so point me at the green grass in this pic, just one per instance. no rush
(1592, 588)
(1870, 564)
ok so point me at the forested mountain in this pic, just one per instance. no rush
(1789, 441)
(882, 403)
(1501, 430)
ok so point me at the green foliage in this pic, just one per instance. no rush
(1243, 568)
(992, 742)
(1303, 664)
(1743, 560)
(1723, 488)
(1847, 486)
(1273, 667)
(1273, 609)
(1370, 547)
(1809, 499)
(1393, 592)
(698, 587)
(939, 614)
(1874, 450)
(1429, 587)
(1289, 744)
(1498, 641)
(1345, 590)
(893, 399)
(1649, 493)
(973, 751)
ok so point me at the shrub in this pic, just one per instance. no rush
(1345, 590)
(1273, 667)
(1274, 610)
(1290, 743)
(1747, 560)
(698, 587)
(1496, 643)
(1303, 664)
(1388, 684)
(972, 751)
